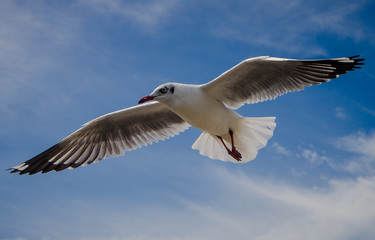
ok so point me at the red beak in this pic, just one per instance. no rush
(146, 99)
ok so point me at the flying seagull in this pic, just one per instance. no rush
(173, 107)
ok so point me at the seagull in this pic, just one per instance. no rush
(173, 107)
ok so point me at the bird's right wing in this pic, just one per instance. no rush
(108, 135)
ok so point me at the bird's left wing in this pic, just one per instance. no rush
(108, 135)
(263, 78)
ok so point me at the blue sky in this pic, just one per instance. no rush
(64, 63)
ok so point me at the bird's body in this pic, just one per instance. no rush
(212, 117)
(173, 107)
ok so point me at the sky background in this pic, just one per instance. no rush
(63, 63)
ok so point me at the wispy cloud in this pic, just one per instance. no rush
(32, 39)
(271, 24)
(354, 154)
(281, 149)
(365, 108)
(244, 206)
(305, 152)
(150, 15)
(359, 143)
(362, 147)
(299, 212)
(337, 19)
(29, 33)
(340, 113)
(313, 156)
(291, 25)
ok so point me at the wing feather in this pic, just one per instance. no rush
(264, 78)
(109, 135)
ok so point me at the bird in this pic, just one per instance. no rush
(173, 107)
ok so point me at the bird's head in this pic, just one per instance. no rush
(163, 93)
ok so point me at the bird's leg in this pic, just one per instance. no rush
(234, 150)
(234, 153)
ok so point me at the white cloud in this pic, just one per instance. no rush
(355, 155)
(281, 149)
(362, 146)
(273, 24)
(337, 19)
(29, 33)
(33, 38)
(341, 113)
(359, 143)
(291, 25)
(149, 14)
(241, 207)
(338, 212)
(313, 156)
(308, 153)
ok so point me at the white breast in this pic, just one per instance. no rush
(202, 111)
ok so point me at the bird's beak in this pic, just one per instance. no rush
(146, 99)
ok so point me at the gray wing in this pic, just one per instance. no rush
(108, 135)
(264, 78)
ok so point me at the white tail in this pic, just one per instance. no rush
(250, 135)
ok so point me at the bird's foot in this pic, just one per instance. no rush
(235, 154)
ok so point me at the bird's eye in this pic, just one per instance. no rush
(164, 90)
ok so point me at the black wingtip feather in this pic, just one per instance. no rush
(37, 163)
(357, 61)
(341, 67)
(354, 56)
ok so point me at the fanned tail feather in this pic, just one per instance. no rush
(250, 135)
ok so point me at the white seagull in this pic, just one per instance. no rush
(174, 107)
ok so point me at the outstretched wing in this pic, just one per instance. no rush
(108, 135)
(263, 78)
